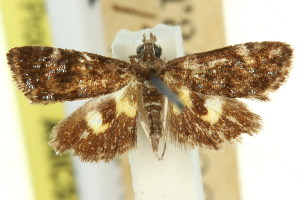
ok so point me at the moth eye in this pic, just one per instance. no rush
(140, 49)
(157, 50)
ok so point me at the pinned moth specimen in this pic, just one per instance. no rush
(206, 84)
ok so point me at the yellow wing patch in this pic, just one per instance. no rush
(184, 96)
(126, 101)
(214, 110)
(94, 120)
(126, 107)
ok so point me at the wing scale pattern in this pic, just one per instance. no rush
(206, 83)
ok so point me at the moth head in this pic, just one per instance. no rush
(149, 47)
(154, 48)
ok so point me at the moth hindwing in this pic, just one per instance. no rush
(206, 84)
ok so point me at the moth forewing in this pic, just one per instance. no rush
(47, 74)
(249, 70)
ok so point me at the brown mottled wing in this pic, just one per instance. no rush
(249, 70)
(102, 129)
(210, 121)
(47, 74)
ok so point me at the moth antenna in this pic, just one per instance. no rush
(144, 38)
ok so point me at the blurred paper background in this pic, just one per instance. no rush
(263, 167)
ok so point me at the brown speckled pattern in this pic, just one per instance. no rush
(119, 136)
(206, 83)
(47, 74)
(249, 70)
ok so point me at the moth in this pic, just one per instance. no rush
(207, 84)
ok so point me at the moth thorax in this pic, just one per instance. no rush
(151, 69)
